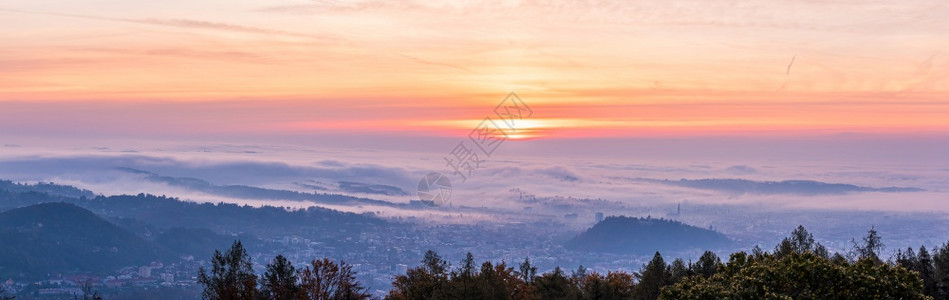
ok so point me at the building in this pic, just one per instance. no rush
(599, 217)
(144, 272)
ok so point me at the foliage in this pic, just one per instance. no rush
(231, 277)
(800, 276)
(280, 280)
(325, 280)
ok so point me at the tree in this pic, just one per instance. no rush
(496, 281)
(707, 264)
(231, 277)
(326, 280)
(907, 259)
(941, 268)
(926, 271)
(527, 271)
(870, 248)
(555, 285)
(678, 270)
(88, 293)
(461, 284)
(801, 276)
(800, 241)
(526, 274)
(421, 282)
(654, 276)
(280, 280)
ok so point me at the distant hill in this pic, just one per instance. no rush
(53, 238)
(644, 236)
(149, 215)
(46, 188)
(796, 187)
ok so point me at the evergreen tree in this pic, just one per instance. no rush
(707, 264)
(654, 276)
(941, 267)
(757, 251)
(280, 280)
(678, 270)
(800, 241)
(555, 285)
(231, 277)
(422, 282)
(926, 271)
(907, 259)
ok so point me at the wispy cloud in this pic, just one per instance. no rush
(177, 22)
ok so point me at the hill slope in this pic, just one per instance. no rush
(52, 238)
(644, 236)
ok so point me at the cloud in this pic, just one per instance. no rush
(741, 170)
(258, 173)
(178, 22)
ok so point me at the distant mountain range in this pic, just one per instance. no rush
(53, 238)
(644, 236)
(45, 188)
(796, 187)
(46, 229)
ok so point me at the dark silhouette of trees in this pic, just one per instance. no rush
(231, 276)
(422, 282)
(555, 285)
(327, 280)
(280, 280)
(654, 276)
(926, 270)
(941, 268)
(870, 248)
(707, 264)
(88, 293)
(615, 285)
(799, 268)
(497, 281)
(800, 241)
(800, 276)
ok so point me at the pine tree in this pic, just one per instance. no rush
(280, 280)
(941, 267)
(654, 276)
(555, 285)
(926, 271)
(678, 270)
(707, 264)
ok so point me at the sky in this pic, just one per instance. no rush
(588, 69)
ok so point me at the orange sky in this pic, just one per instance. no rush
(613, 68)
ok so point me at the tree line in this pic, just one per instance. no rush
(797, 268)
